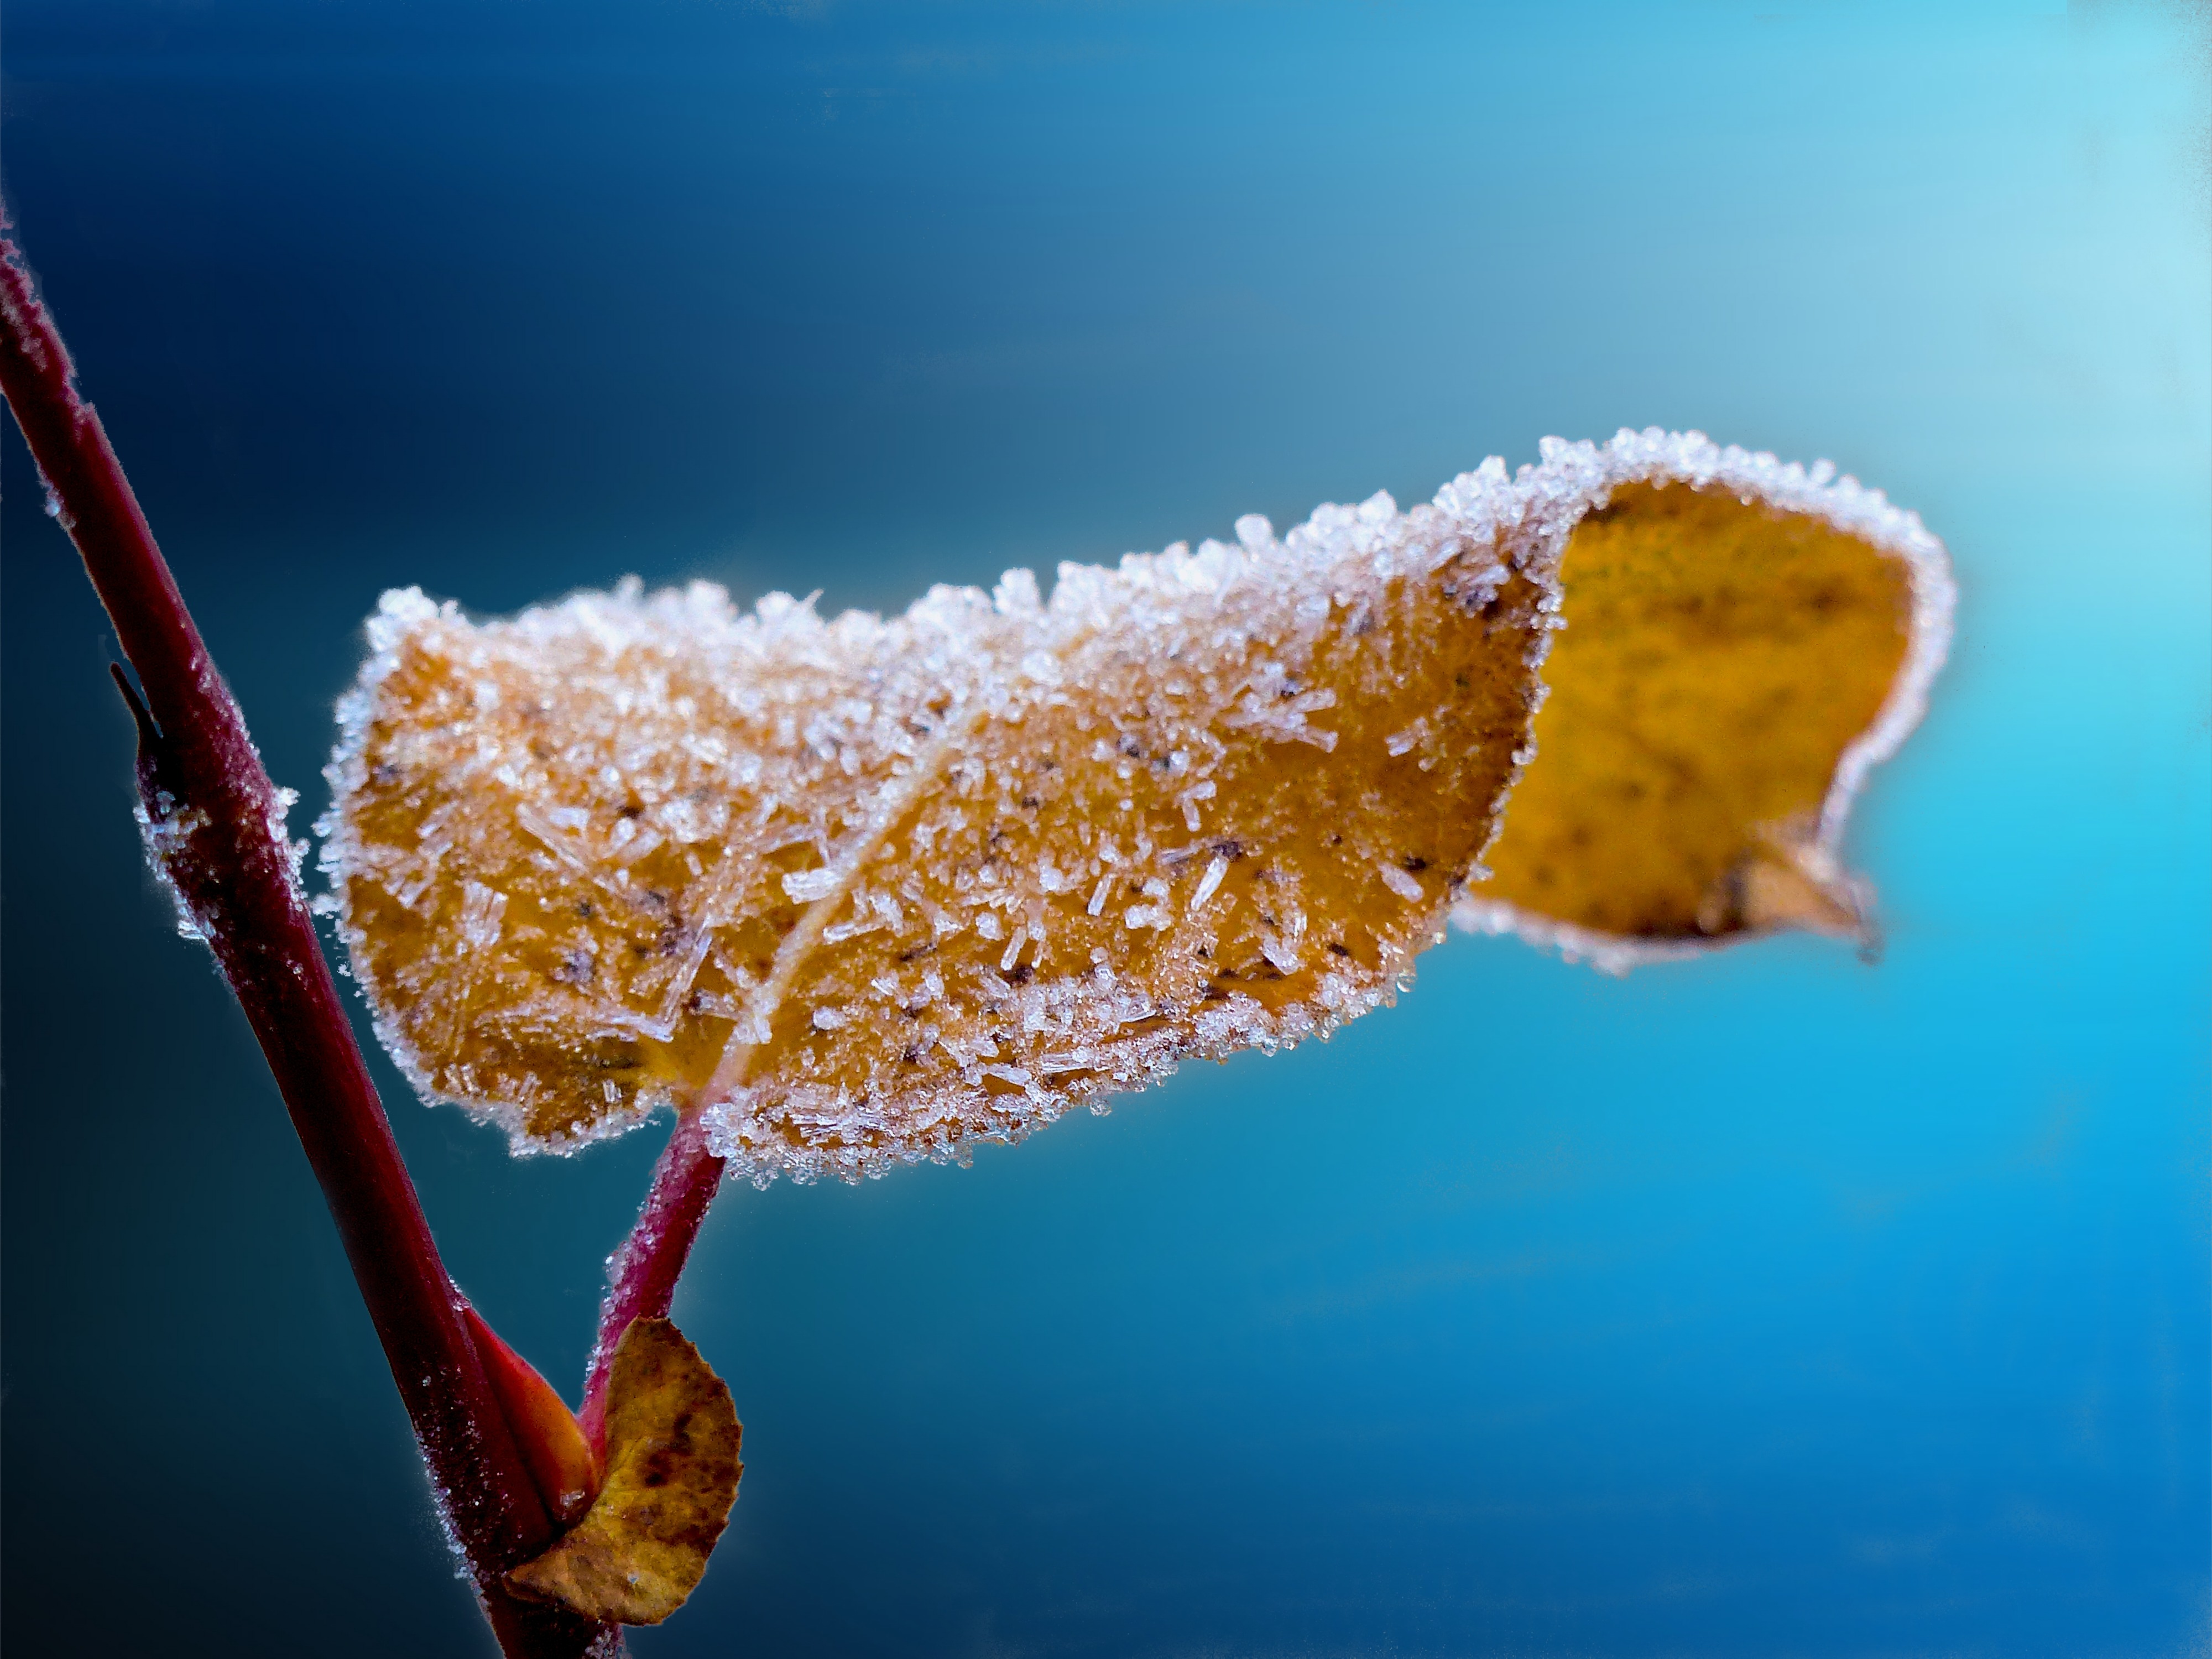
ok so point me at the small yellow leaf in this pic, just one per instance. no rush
(672, 1476)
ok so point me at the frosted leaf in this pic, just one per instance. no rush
(967, 866)
(865, 890)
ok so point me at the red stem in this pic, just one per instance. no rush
(641, 1275)
(200, 777)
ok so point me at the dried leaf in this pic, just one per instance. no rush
(672, 1469)
(866, 890)
(872, 890)
(1743, 641)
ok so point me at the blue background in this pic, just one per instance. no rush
(1770, 1306)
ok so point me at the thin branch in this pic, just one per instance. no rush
(215, 823)
(641, 1275)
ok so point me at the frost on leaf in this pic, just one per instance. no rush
(864, 891)
(672, 1476)
(869, 891)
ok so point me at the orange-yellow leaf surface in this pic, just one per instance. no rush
(1739, 645)
(872, 890)
(864, 891)
(672, 1476)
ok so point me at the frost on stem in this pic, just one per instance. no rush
(167, 830)
(871, 890)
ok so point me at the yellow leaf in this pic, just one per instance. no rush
(865, 890)
(868, 890)
(1743, 641)
(672, 1476)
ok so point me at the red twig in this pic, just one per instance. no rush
(219, 830)
(641, 1275)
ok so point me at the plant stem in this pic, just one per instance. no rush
(641, 1275)
(225, 849)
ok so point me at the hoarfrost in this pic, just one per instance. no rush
(1404, 886)
(808, 885)
(481, 911)
(1217, 867)
(649, 840)
(166, 830)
